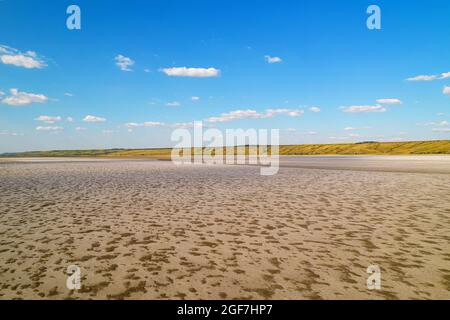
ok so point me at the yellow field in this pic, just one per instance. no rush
(364, 148)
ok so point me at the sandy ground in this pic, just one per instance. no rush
(152, 230)
(411, 164)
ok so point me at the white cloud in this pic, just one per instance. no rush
(133, 125)
(31, 54)
(339, 138)
(441, 129)
(18, 98)
(446, 90)
(443, 75)
(68, 94)
(423, 78)
(252, 114)
(28, 60)
(354, 135)
(69, 119)
(173, 104)
(124, 63)
(48, 119)
(353, 128)
(359, 109)
(93, 119)
(271, 59)
(191, 72)
(434, 123)
(308, 133)
(153, 124)
(389, 101)
(55, 128)
(80, 129)
(234, 115)
(10, 133)
(194, 98)
(442, 123)
(20, 60)
(314, 109)
(289, 112)
(183, 125)
(107, 131)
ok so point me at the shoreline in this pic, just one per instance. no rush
(429, 164)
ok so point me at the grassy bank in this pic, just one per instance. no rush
(363, 148)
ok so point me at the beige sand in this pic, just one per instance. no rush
(152, 230)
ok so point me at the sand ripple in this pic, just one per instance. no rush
(150, 230)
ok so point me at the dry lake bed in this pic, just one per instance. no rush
(152, 230)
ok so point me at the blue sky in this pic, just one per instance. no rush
(310, 68)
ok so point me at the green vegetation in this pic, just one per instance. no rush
(361, 148)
